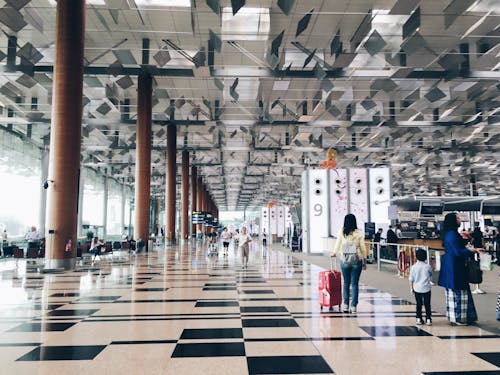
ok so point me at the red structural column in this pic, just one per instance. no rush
(170, 207)
(194, 194)
(185, 196)
(65, 135)
(143, 158)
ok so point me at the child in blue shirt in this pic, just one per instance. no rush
(420, 285)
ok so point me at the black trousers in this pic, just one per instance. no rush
(425, 299)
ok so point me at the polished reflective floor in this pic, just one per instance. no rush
(178, 311)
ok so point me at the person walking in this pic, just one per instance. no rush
(226, 237)
(243, 246)
(460, 309)
(350, 247)
(420, 286)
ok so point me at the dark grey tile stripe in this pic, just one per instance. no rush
(141, 342)
(144, 319)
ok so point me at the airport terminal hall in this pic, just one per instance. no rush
(250, 187)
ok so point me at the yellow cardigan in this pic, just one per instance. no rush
(357, 238)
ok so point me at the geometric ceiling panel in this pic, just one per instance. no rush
(92, 81)
(451, 61)
(162, 57)
(29, 53)
(286, 6)
(17, 4)
(125, 57)
(26, 81)
(404, 6)
(375, 43)
(413, 44)
(303, 23)
(12, 19)
(434, 95)
(412, 24)
(125, 82)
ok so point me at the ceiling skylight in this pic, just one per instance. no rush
(92, 2)
(247, 24)
(164, 3)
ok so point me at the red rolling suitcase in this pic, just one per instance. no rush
(330, 289)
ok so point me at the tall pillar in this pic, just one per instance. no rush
(143, 157)
(194, 179)
(185, 196)
(105, 207)
(43, 192)
(170, 207)
(199, 199)
(122, 210)
(156, 227)
(65, 134)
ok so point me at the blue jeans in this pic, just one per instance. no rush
(351, 274)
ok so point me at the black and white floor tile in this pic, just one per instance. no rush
(177, 311)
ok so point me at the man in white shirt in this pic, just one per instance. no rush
(33, 238)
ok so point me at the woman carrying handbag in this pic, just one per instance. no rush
(460, 309)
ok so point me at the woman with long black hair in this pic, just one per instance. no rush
(350, 246)
(460, 309)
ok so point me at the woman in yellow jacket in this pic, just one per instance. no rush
(350, 247)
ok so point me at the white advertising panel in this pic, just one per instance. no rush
(338, 199)
(264, 219)
(288, 217)
(281, 220)
(304, 196)
(380, 194)
(358, 195)
(318, 209)
(273, 220)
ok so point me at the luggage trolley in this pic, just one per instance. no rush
(212, 247)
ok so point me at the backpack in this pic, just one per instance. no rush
(349, 254)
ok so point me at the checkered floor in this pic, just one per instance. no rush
(178, 311)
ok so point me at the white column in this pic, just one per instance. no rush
(43, 192)
(81, 189)
(122, 211)
(105, 208)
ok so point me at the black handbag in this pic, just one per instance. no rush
(473, 271)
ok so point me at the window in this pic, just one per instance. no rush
(247, 24)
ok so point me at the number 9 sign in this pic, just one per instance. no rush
(318, 209)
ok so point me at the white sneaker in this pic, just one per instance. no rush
(428, 322)
(419, 322)
(345, 308)
(353, 310)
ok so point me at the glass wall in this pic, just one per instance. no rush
(20, 186)
(114, 208)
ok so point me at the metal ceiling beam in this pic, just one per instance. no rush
(265, 72)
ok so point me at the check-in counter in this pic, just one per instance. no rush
(433, 244)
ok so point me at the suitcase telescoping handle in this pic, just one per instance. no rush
(333, 263)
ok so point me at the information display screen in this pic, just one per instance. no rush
(431, 208)
(490, 208)
(197, 217)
